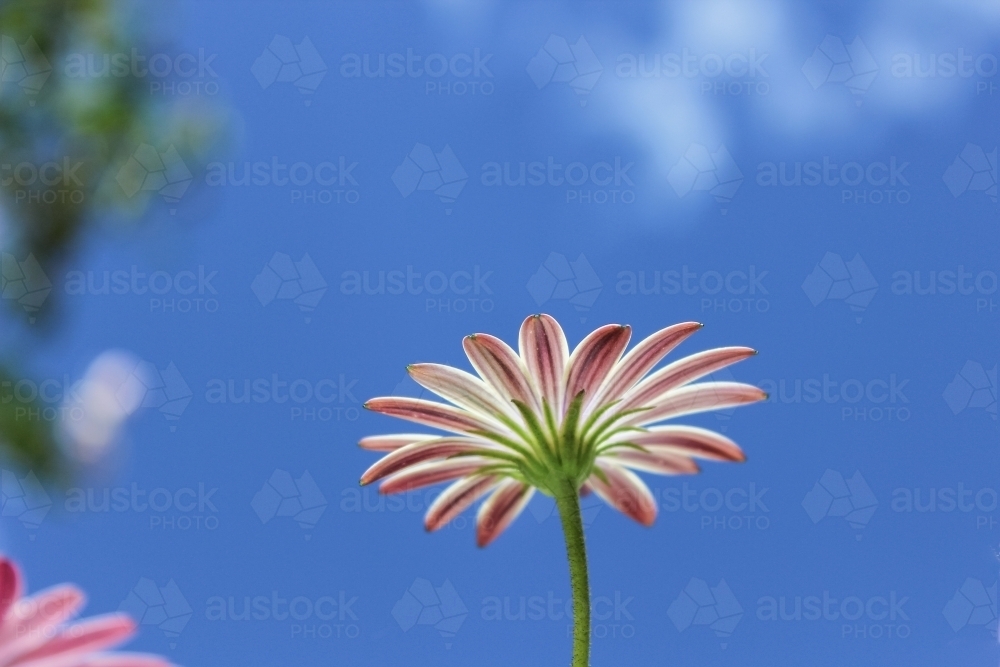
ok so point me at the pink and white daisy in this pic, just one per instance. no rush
(35, 631)
(553, 421)
(560, 423)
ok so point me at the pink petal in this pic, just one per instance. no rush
(625, 492)
(689, 441)
(543, 347)
(461, 388)
(427, 450)
(125, 660)
(429, 413)
(593, 359)
(29, 621)
(654, 461)
(682, 372)
(389, 443)
(642, 358)
(701, 397)
(431, 473)
(81, 638)
(500, 509)
(501, 368)
(456, 499)
(10, 585)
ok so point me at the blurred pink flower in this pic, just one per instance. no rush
(35, 631)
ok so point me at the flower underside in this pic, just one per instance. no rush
(558, 422)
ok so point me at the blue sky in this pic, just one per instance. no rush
(681, 184)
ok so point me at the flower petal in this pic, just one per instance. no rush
(463, 389)
(654, 461)
(625, 492)
(500, 509)
(418, 452)
(430, 473)
(682, 372)
(593, 359)
(642, 358)
(31, 621)
(502, 369)
(77, 640)
(688, 441)
(456, 499)
(125, 660)
(392, 442)
(10, 586)
(49, 607)
(430, 413)
(701, 397)
(544, 349)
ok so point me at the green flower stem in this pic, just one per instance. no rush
(568, 502)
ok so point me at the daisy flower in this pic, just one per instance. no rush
(35, 630)
(546, 420)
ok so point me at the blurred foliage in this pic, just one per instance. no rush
(87, 126)
(28, 441)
